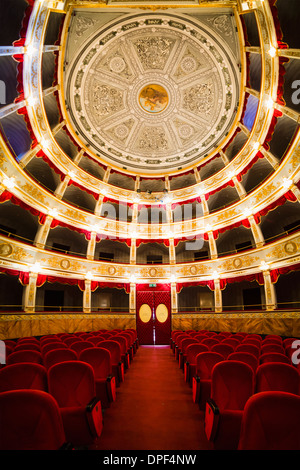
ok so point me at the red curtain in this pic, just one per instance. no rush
(89, 191)
(42, 155)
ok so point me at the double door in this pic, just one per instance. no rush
(153, 310)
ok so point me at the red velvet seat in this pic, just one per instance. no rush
(277, 376)
(27, 345)
(80, 346)
(58, 355)
(192, 352)
(129, 337)
(52, 345)
(23, 376)
(245, 357)
(178, 342)
(30, 420)
(100, 360)
(272, 339)
(117, 365)
(271, 422)
(72, 384)
(210, 342)
(232, 384)
(274, 357)
(249, 348)
(223, 348)
(205, 362)
(30, 339)
(125, 357)
(24, 356)
(232, 342)
(182, 354)
(48, 338)
(71, 339)
(272, 347)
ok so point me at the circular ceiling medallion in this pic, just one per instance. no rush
(153, 98)
(152, 93)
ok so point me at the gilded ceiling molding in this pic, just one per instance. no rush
(19, 256)
(37, 197)
(66, 165)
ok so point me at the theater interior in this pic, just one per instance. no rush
(149, 225)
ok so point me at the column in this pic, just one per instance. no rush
(239, 187)
(90, 253)
(212, 245)
(98, 206)
(29, 294)
(132, 298)
(174, 299)
(133, 251)
(257, 233)
(172, 252)
(270, 293)
(59, 192)
(43, 232)
(87, 296)
(218, 296)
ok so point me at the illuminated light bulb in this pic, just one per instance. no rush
(173, 278)
(133, 278)
(264, 266)
(134, 235)
(36, 267)
(31, 101)
(270, 103)
(89, 276)
(30, 49)
(208, 228)
(256, 145)
(44, 143)
(103, 191)
(287, 183)
(95, 228)
(247, 212)
(9, 183)
(215, 275)
(272, 51)
(53, 212)
(71, 174)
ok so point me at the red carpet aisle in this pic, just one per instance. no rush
(154, 409)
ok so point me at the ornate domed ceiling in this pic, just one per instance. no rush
(152, 93)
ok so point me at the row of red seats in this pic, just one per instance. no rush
(75, 385)
(247, 402)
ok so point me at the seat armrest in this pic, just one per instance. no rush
(212, 414)
(94, 417)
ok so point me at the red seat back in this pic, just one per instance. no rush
(30, 420)
(205, 362)
(58, 355)
(99, 359)
(274, 357)
(271, 422)
(114, 349)
(249, 348)
(277, 376)
(224, 349)
(23, 376)
(24, 356)
(80, 346)
(72, 383)
(232, 383)
(193, 350)
(245, 357)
